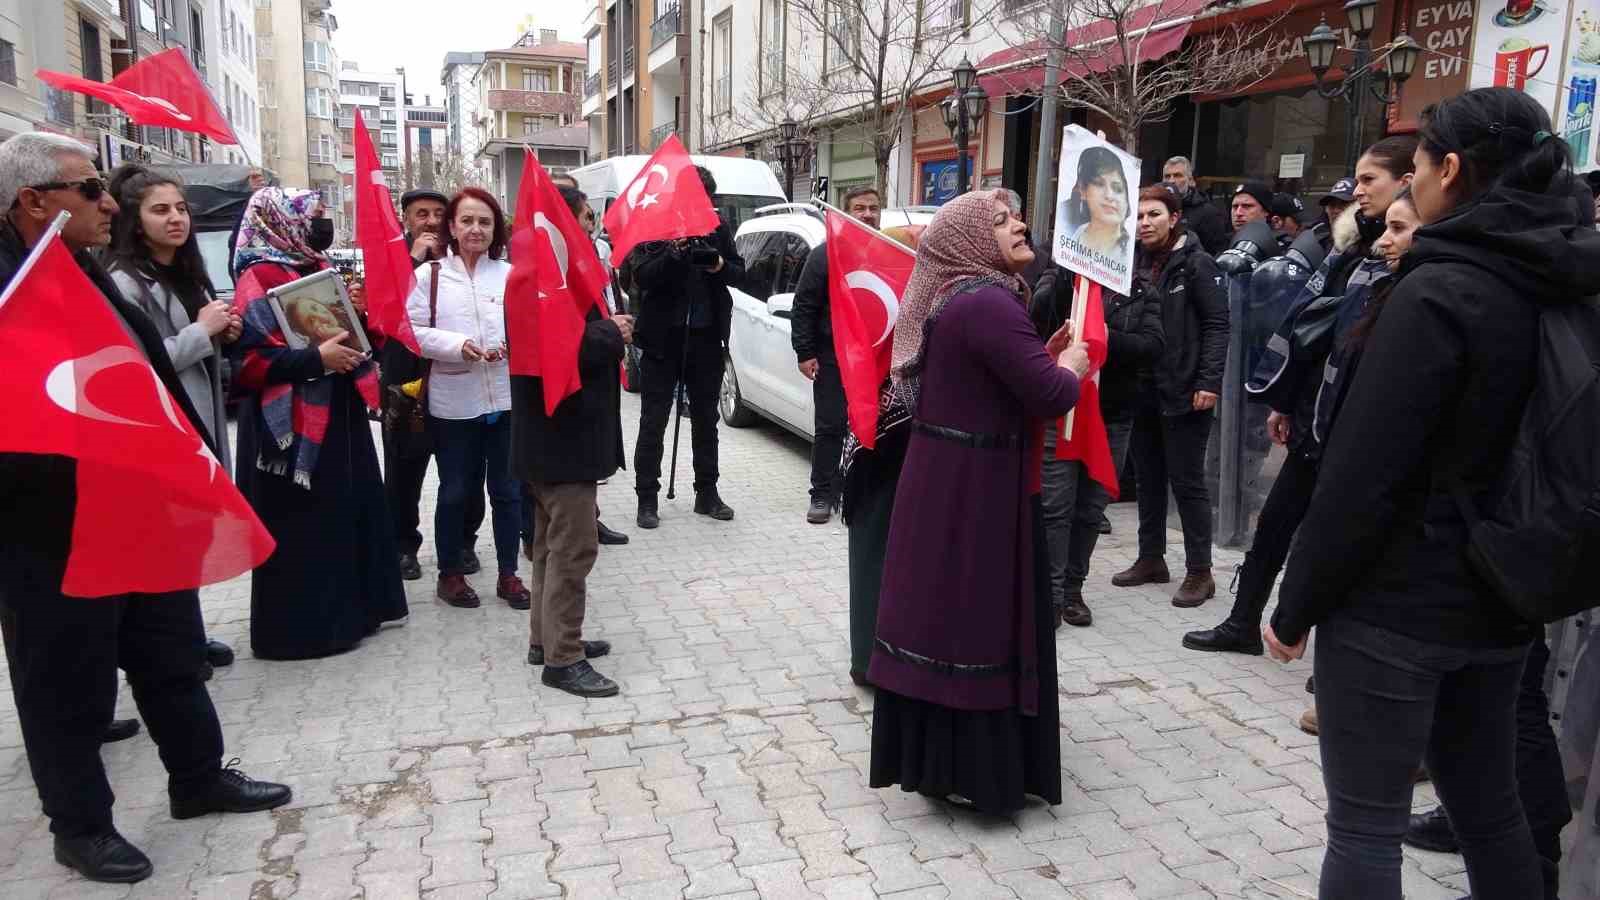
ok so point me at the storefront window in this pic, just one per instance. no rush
(1247, 137)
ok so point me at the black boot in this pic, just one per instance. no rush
(120, 730)
(106, 857)
(648, 516)
(707, 503)
(1241, 631)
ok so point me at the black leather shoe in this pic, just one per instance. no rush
(1105, 524)
(470, 564)
(707, 503)
(104, 857)
(410, 570)
(1075, 612)
(1229, 637)
(579, 679)
(1431, 831)
(220, 655)
(610, 537)
(819, 512)
(120, 730)
(591, 650)
(230, 791)
(648, 516)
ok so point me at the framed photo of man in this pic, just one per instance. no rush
(1095, 210)
(314, 309)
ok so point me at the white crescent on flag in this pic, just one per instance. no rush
(166, 105)
(558, 244)
(68, 381)
(639, 187)
(863, 280)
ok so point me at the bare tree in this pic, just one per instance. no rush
(858, 65)
(1104, 66)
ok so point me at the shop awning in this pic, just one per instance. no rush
(1020, 70)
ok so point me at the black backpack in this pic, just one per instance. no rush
(1544, 524)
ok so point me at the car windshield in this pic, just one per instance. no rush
(736, 209)
(214, 250)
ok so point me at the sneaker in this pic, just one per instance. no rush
(230, 791)
(648, 517)
(1432, 831)
(511, 590)
(819, 512)
(105, 857)
(707, 503)
(454, 590)
(591, 650)
(470, 564)
(410, 569)
(579, 679)
(1197, 588)
(1145, 570)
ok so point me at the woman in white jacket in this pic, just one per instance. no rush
(458, 313)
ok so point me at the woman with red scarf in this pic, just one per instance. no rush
(305, 456)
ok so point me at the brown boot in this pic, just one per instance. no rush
(1145, 570)
(1196, 589)
(511, 590)
(454, 590)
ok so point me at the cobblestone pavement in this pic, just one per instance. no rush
(430, 762)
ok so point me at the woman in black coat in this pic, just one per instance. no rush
(1416, 656)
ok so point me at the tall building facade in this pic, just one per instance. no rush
(458, 79)
(297, 73)
(530, 96)
(232, 62)
(379, 96)
(641, 74)
(426, 142)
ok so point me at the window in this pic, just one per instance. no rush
(386, 92)
(844, 35)
(793, 251)
(942, 15)
(763, 251)
(536, 79)
(227, 30)
(250, 50)
(197, 42)
(391, 161)
(147, 16)
(529, 126)
(386, 116)
(389, 139)
(319, 103)
(8, 63)
(317, 56)
(772, 44)
(722, 63)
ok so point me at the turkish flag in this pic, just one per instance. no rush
(664, 202)
(162, 90)
(556, 276)
(1086, 425)
(390, 271)
(867, 276)
(155, 511)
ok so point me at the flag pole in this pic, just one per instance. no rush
(1080, 306)
(33, 256)
(877, 233)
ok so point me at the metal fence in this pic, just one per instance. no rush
(665, 27)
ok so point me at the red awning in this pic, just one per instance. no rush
(1019, 70)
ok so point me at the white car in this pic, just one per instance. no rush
(762, 377)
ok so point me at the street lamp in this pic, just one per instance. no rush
(792, 150)
(1363, 78)
(962, 109)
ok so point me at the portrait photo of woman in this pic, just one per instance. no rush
(1099, 212)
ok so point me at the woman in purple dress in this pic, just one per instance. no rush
(964, 657)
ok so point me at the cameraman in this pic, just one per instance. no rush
(685, 312)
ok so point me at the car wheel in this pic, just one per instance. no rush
(729, 403)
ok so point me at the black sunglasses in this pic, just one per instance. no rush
(90, 188)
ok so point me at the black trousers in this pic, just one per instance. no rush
(1172, 450)
(1386, 700)
(1541, 785)
(403, 474)
(827, 395)
(64, 653)
(699, 365)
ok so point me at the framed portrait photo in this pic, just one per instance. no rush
(314, 309)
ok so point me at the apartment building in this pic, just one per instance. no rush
(529, 96)
(461, 109)
(297, 72)
(230, 29)
(380, 97)
(639, 88)
(425, 140)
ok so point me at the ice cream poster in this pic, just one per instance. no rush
(1095, 210)
(1519, 44)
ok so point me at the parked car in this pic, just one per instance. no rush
(762, 378)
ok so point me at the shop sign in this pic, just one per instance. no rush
(1519, 44)
(1444, 29)
(1292, 165)
(939, 181)
(1284, 42)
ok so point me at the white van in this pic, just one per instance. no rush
(743, 185)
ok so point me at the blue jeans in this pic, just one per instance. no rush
(1384, 701)
(468, 452)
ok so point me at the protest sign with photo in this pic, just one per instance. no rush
(1095, 210)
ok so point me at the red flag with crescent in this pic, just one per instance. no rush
(162, 89)
(155, 510)
(386, 261)
(556, 277)
(867, 276)
(664, 202)
(1087, 441)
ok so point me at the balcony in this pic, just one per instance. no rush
(591, 85)
(551, 103)
(665, 27)
(660, 132)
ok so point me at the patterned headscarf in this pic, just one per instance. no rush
(276, 228)
(957, 252)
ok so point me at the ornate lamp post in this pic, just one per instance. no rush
(792, 150)
(966, 106)
(1362, 78)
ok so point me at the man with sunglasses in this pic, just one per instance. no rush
(63, 652)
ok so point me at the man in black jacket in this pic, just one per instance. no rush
(63, 652)
(1200, 215)
(405, 456)
(685, 313)
(811, 333)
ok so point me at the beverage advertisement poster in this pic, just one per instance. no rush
(1519, 45)
(1095, 210)
(1575, 107)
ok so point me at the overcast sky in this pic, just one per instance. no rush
(381, 35)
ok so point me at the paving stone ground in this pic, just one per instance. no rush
(431, 763)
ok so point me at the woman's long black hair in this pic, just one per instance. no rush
(129, 185)
(1503, 137)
